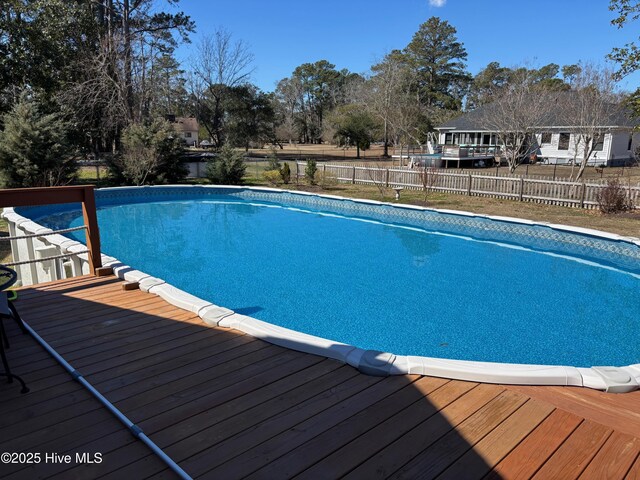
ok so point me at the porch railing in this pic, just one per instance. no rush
(83, 194)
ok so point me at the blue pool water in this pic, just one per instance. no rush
(378, 284)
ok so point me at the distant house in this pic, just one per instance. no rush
(187, 127)
(556, 142)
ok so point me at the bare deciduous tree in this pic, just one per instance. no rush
(394, 98)
(100, 98)
(138, 162)
(383, 90)
(589, 109)
(516, 115)
(220, 63)
(428, 179)
(221, 60)
(287, 95)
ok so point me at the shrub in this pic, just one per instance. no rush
(273, 177)
(272, 161)
(613, 198)
(325, 179)
(151, 154)
(285, 173)
(227, 168)
(35, 148)
(310, 171)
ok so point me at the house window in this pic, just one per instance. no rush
(598, 142)
(448, 138)
(187, 134)
(563, 142)
(545, 138)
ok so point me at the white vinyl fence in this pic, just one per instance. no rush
(539, 189)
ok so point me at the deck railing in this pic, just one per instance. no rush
(83, 194)
(539, 190)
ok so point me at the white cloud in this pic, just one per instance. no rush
(437, 3)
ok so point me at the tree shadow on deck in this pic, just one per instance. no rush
(225, 405)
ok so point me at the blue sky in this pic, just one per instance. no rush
(353, 34)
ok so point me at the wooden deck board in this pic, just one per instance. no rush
(298, 458)
(243, 387)
(255, 440)
(530, 454)
(64, 429)
(634, 471)
(226, 405)
(498, 443)
(432, 461)
(619, 412)
(337, 451)
(576, 452)
(619, 453)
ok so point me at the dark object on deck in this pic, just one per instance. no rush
(8, 311)
(104, 271)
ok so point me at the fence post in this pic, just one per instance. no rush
(386, 183)
(297, 170)
(353, 176)
(469, 185)
(583, 194)
(521, 187)
(92, 233)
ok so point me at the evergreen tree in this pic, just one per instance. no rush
(354, 127)
(152, 154)
(227, 168)
(306, 98)
(35, 150)
(487, 84)
(40, 42)
(439, 59)
(249, 116)
(285, 173)
(272, 161)
(310, 171)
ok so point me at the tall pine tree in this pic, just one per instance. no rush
(439, 60)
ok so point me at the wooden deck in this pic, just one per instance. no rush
(225, 405)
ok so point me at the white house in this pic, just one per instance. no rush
(556, 142)
(187, 127)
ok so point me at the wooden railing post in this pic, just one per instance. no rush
(469, 186)
(583, 194)
(353, 176)
(93, 234)
(84, 194)
(386, 183)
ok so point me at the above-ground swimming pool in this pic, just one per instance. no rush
(415, 282)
